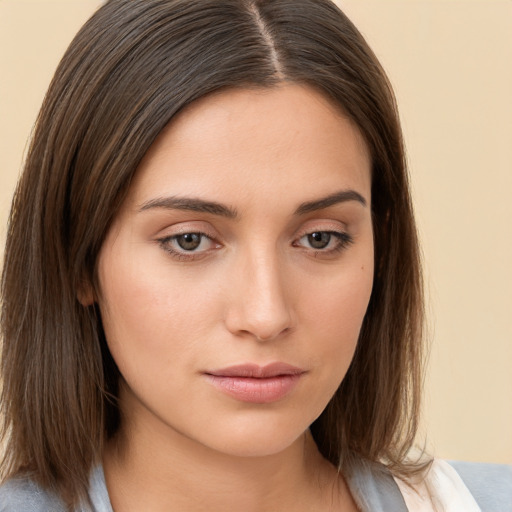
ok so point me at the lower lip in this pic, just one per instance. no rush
(254, 390)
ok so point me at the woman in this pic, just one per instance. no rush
(211, 290)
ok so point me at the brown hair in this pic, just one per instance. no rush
(129, 70)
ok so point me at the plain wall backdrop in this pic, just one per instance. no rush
(450, 62)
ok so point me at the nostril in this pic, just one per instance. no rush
(272, 335)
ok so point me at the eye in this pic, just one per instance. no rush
(189, 241)
(325, 241)
(187, 245)
(319, 239)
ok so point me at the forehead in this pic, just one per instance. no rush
(242, 140)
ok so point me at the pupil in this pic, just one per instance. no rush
(319, 240)
(189, 241)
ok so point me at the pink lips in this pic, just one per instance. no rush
(256, 384)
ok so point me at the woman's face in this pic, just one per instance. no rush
(235, 279)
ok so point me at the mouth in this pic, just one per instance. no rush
(256, 384)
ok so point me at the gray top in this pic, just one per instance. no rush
(490, 484)
(372, 486)
(23, 495)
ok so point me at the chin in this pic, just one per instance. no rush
(255, 437)
(261, 447)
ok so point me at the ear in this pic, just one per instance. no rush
(85, 294)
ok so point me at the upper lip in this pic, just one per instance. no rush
(251, 370)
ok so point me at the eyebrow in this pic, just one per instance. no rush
(338, 197)
(190, 204)
(200, 205)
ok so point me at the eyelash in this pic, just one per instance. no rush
(183, 254)
(342, 241)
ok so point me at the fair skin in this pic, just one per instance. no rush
(245, 239)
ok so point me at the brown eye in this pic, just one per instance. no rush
(319, 240)
(188, 246)
(189, 241)
(324, 242)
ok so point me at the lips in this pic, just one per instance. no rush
(256, 371)
(256, 384)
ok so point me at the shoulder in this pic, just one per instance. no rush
(490, 484)
(373, 487)
(457, 486)
(23, 495)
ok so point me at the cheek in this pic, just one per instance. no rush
(341, 297)
(151, 320)
(334, 312)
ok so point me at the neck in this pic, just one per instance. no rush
(159, 469)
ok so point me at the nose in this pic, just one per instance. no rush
(258, 306)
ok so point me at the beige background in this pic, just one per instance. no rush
(451, 64)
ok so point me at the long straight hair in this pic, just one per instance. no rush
(130, 69)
